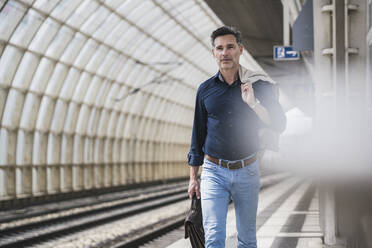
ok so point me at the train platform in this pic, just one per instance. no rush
(288, 216)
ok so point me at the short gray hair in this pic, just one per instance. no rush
(225, 30)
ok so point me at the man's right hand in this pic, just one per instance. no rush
(194, 188)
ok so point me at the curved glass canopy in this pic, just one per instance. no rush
(98, 93)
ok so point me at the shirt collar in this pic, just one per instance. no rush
(220, 78)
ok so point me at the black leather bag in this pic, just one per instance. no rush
(194, 224)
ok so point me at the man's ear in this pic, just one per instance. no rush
(213, 52)
(241, 48)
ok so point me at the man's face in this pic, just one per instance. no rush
(227, 51)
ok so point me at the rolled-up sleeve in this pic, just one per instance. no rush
(266, 94)
(199, 132)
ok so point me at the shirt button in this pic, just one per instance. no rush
(229, 112)
(230, 125)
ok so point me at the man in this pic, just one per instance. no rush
(228, 115)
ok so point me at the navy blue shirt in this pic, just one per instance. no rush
(225, 127)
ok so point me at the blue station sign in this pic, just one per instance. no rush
(285, 53)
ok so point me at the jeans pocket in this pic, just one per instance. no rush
(252, 169)
(208, 167)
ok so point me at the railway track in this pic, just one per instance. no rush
(68, 221)
(141, 237)
(50, 227)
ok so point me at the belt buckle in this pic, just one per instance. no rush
(228, 164)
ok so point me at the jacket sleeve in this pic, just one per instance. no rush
(266, 93)
(199, 132)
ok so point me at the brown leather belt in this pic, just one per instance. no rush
(232, 165)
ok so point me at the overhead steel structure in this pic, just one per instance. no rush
(96, 93)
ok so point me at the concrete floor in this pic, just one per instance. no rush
(288, 217)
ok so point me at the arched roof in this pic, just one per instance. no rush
(99, 81)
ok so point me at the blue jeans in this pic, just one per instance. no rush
(218, 184)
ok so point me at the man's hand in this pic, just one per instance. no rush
(249, 98)
(248, 94)
(194, 186)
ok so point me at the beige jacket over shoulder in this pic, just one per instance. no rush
(269, 139)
